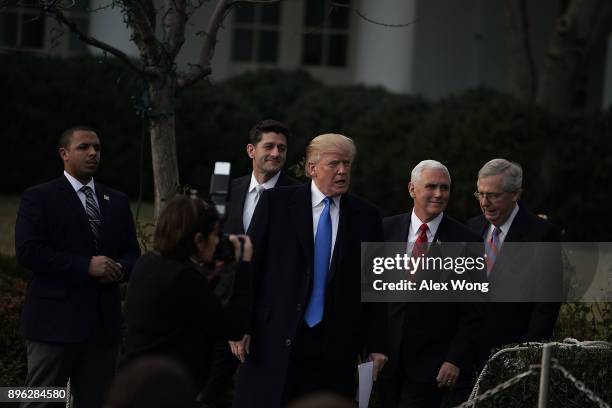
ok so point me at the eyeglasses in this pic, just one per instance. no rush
(489, 196)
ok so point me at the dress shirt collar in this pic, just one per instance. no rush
(505, 227)
(317, 196)
(77, 185)
(415, 223)
(267, 185)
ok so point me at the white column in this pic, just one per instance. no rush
(384, 55)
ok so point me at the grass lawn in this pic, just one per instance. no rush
(8, 213)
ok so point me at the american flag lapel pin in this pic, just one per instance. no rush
(107, 198)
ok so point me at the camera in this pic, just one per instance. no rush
(219, 194)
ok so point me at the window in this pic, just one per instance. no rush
(326, 33)
(255, 34)
(21, 25)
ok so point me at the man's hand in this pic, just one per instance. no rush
(379, 361)
(448, 374)
(104, 269)
(240, 348)
(247, 247)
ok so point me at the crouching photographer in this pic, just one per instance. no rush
(171, 309)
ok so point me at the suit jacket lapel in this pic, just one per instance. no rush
(103, 205)
(301, 206)
(74, 206)
(518, 228)
(241, 192)
(403, 229)
(443, 235)
(343, 234)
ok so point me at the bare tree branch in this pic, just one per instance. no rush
(176, 28)
(203, 68)
(369, 20)
(72, 26)
(141, 16)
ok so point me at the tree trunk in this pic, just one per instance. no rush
(520, 67)
(584, 26)
(163, 140)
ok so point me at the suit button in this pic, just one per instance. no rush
(299, 307)
(288, 342)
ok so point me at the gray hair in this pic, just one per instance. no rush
(513, 173)
(427, 164)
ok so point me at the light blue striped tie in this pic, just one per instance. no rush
(322, 255)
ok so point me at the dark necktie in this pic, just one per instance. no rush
(93, 214)
(322, 254)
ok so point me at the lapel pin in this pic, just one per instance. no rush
(107, 198)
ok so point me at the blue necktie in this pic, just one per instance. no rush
(322, 252)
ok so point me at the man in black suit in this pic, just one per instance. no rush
(267, 149)
(77, 237)
(430, 347)
(504, 220)
(308, 323)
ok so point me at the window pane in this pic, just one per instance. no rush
(75, 43)
(242, 45)
(244, 13)
(336, 53)
(32, 31)
(8, 29)
(270, 14)
(315, 13)
(339, 17)
(268, 46)
(312, 49)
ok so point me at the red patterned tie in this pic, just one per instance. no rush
(420, 245)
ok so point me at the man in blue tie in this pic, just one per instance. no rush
(308, 324)
(77, 238)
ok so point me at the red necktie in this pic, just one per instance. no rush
(420, 245)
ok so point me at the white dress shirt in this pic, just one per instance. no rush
(252, 197)
(77, 185)
(317, 208)
(504, 228)
(415, 224)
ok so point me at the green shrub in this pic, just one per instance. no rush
(13, 365)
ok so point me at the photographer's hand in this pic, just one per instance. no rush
(244, 248)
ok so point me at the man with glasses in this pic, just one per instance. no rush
(512, 267)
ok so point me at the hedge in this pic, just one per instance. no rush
(566, 160)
